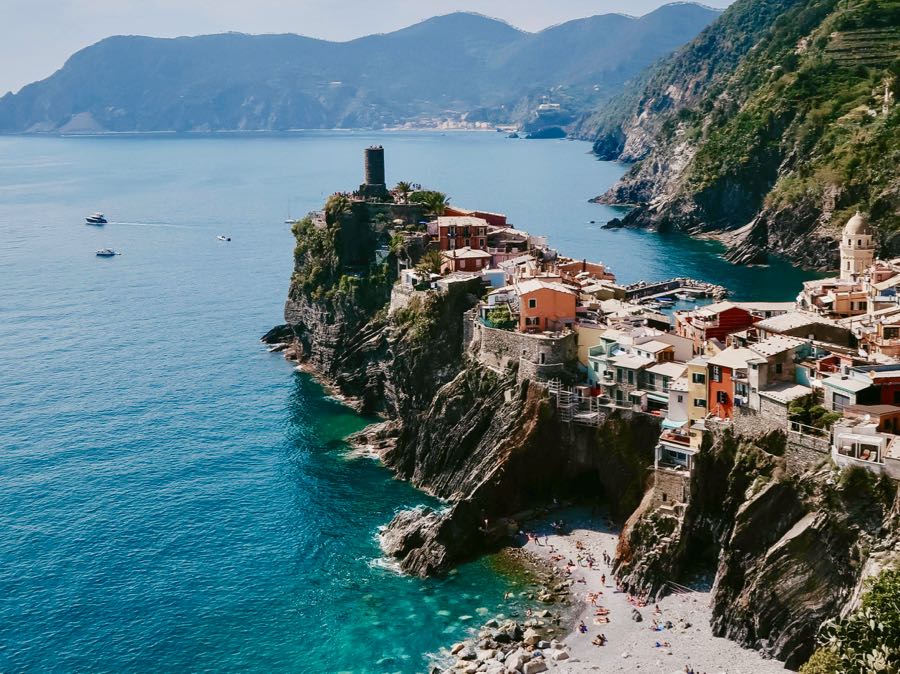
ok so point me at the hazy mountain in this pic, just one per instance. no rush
(454, 63)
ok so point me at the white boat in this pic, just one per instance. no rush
(106, 252)
(685, 297)
(222, 237)
(96, 219)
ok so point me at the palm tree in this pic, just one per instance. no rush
(337, 205)
(435, 202)
(430, 262)
(403, 190)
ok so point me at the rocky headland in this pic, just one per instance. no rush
(788, 543)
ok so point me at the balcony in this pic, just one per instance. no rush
(676, 438)
(741, 376)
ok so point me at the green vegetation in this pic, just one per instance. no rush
(403, 190)
(783, 103)
(435, 202)
(809, 412)
(869, 639)
(501, 317)
(320, 273)
(336, 206)
(430, 262)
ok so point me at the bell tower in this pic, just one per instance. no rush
(857, 247)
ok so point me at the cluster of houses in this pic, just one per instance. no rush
(835, 347)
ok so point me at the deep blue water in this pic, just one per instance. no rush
(172, 497)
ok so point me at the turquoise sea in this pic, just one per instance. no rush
(172, 497)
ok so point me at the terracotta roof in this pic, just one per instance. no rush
(465, 253)
(533, 285)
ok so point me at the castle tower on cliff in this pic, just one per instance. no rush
(857, 247)
(374, 186)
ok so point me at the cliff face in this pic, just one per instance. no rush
(454, 428)
(771, 128)
(787, 551)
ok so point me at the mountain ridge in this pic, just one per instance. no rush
(446, 66)
(768, 130)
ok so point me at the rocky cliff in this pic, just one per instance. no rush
(787, 551)
(768, 130)
(469, 435)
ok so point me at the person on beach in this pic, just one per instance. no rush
(603, 580)
(582, 627)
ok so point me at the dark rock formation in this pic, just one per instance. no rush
(787, 552)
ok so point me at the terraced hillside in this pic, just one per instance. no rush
(768, 130)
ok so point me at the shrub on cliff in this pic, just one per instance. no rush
(869, 639)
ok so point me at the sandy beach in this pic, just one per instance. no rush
(633, 646)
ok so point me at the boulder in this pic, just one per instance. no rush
(534, 667)
(531, 637)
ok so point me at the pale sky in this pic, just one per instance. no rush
(37, 36)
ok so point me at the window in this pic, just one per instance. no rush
(680, 398)
(665, 496)
(481, 243)
(716, 374)
(722, 397)
(477, 264)
(840, 401)
(698, 378)
(896, 397)
(532, 303)
(630, 376)
(468, 242)
(779, 368)
(543, 357)
(699, 402)
(596, 366)
(619, 376)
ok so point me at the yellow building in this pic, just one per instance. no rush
(697, 403)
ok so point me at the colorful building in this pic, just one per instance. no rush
(545, 306)
(712, 322)
(462, 232)
(464, 259)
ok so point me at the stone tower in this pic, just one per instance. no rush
(374, 186)
(857, 247)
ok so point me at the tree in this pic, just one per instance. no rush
(435, 202)
(868, 640)
(337, 205)
(403, 190)
(430, 262)
(501, 317)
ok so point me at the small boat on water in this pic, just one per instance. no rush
(96, 219)
(222, 237)
(106, 252)
(685, 297)
(665, 300)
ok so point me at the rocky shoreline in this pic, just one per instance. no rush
(515, 643)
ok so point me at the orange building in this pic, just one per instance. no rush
(729, 380)
(545, 306)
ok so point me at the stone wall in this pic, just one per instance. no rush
(751, 424)
(402, 296)
(805, 452)
(670, 487)
(537, 356)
